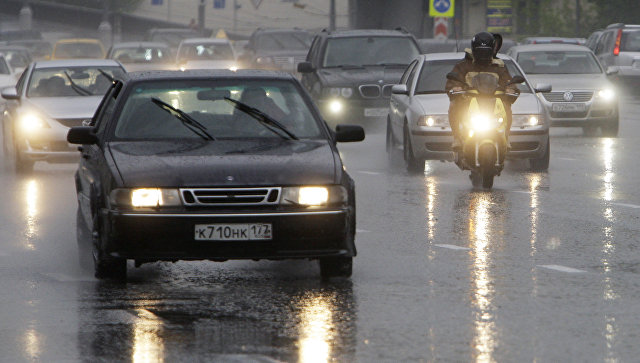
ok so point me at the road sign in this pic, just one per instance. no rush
(256, 3)
(499, 16)
(441, 8)
(441, 28)
(219, 4)
(156, 2)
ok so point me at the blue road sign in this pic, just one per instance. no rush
(156, 2)
(219, 4)
(442, 6)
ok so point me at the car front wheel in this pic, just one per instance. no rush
(105, 266)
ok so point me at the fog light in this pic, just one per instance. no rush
(335, 106)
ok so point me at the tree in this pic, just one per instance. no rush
(616, 11)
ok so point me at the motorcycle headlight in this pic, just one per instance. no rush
(314, 196)
(145, 197)
(433, 120)
(480, 122)
(523, 121)
(32, 122)
(606, 94)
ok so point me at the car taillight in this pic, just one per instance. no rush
(616, 49)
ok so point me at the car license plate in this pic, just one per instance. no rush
(376, 112)
(569, 107)
(233, 232)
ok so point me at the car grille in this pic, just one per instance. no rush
(71, 122)
(230, 196)
(288, 60)
(559, 96)
(375, 91)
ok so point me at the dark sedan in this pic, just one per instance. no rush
(212, 165)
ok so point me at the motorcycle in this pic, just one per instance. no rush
(484, 127)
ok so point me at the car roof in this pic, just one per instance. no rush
(78, 40)
(140, 44)
(209, 74)
(454, 56)
(205, 41)
(76, 63)
(549, 47)
(366, 32)
(281, 30)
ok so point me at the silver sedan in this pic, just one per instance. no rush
(418, 115)
(50, 97)
(582, 95)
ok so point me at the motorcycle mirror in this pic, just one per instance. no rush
(454, 77)
(516, 80)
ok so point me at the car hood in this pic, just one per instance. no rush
(438, 104)
(200, 163)
(566, 82)
(358, 76)
(65, 107)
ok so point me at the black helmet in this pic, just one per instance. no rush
(482, 47)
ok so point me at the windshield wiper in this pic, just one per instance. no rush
(188, 121)
(74, 86)
(387, 65)
(346, 66)
(263, 118)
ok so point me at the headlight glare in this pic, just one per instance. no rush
(335, 106)
(522, 121)
(480, 122)
(433, 120)
(264, 60)
(606, 94)
(145, 197)
(314, 196)
(31, 122)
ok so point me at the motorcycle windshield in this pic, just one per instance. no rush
(485, 83)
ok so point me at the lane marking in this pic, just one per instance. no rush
(560, 268)
(627, 205)
(60, 277)
(368, 172)
(568, 159)
(453, 247)
(362, 231)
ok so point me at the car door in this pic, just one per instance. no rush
(400, 103)
(92, 167)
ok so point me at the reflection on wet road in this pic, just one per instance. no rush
(542, 268)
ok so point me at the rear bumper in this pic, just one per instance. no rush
(436, 145)
(152, 237)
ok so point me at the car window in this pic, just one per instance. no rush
(370, 50)
(602, 44)
(206, 51)
(205, 102)
(630, 41)
(71, 81)
(412, 75)
(4, 69)
(21, 82)
(142, 55)
(78, 50)
(558, 62)
(403, 80)
(106, 112)
(433, 76)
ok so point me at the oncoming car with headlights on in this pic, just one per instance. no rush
(418, 121)
(212, 165)
(582, 95)
(50, 97)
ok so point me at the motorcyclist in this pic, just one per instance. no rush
(481, 58)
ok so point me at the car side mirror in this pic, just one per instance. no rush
(543, 88)
(611, 70)
(516, 80)
(305, 67)
(10, 93)
(82, 135)
(349, 133)
(399, 89)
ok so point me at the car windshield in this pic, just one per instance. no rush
(558, 62)
(630, 41)
(3, 67)
(359, 51)
(284, 41)
(205, 101)
(433, 76)
(71, 81)
(172, 39)
(141, 55)
(206, 51)
(78, 50)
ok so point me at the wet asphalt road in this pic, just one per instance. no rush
(545, 267)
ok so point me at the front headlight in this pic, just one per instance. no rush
(345, 92)
(145, 197)
(523, 121)
(32, 122)
(264, 60)
(314, 196)
(606, 94)
(480, 122)
(335, 106)
(233, 68)
(433, 120)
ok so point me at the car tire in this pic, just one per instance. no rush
(610, 129)
(105, 266)
(83, 237)
(541, 164)
(336, 266)
(414, 165)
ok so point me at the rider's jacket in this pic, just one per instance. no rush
(467, 69)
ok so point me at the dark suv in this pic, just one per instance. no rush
(350, 73)
(276, 49)
(618, 47)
